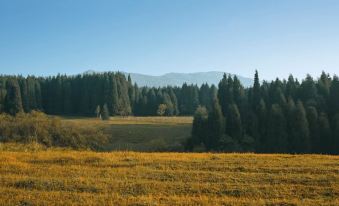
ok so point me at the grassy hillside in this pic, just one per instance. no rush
(140, 133)
(62, 177)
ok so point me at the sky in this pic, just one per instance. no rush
(276, 37)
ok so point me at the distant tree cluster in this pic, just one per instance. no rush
(100, 94)
(283, 116)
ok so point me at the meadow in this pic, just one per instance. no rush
(145, 134)
(34, 175)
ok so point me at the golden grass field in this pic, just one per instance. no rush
(64, 177)
(144, 134)
(31, 174)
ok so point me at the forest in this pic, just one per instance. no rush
(90, 94)
(281, 116)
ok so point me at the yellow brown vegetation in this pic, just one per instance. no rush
(64, 177)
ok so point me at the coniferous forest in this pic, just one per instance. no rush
(282, 116)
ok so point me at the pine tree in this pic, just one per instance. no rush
(262, 124)
(13, 102)
(256, 96)
(234, 125)
(335, 148)
(300, 140)
(308, 91)
(174, 101)
(105, 113)
(325, 134)
(24, 95)
(334, 96)
(291, 87)
(215, 127)
(3, 92)
(276, 131)
(199, 127)
(312, 118)
(115, 98)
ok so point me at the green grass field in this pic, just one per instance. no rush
(65, 177)
(140, 133)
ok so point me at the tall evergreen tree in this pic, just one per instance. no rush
(325, 134)
(300, 141)
(13, 101)
(335, 146)
(276, 131)
(234, 125)
(216, 126)
(105, 112)
(256, 96)
(312, 118)
(199, 128)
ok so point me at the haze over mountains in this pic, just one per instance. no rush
(177, 79)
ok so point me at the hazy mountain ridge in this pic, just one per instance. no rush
(177, 79)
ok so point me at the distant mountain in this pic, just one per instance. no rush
(177, 79)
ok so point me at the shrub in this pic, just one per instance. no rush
(49, 131)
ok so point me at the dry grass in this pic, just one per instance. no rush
(140, 133)
(130, 120)
(64, 177)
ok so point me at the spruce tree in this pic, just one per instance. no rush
(256, 96)
(325, 134)
(300, 141)
(24, 95)
(199, 128)
(312, 118)
(334, 96)
(105, 113)
(335, 146)
(115, 98)
(215, 126)
(13, 102)
(234, 125)
(276, 131)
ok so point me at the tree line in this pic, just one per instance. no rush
(101, 94)
(282, 116)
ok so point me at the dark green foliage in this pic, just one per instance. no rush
(13, 102)
(325, 135)
(271, 117)
(256, 96)
(334, 96)
(312, 117)
(215, 125)
(105, 112)
(199, 129)
(335, 146)
(234, 125)
(300, 135)
(277, 141)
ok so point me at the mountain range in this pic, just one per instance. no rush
(177, 79)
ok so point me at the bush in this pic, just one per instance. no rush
(36, 127)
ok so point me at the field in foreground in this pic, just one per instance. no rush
(62, 177)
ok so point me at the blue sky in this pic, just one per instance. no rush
(46, 37)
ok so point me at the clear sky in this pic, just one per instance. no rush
(277, 37)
